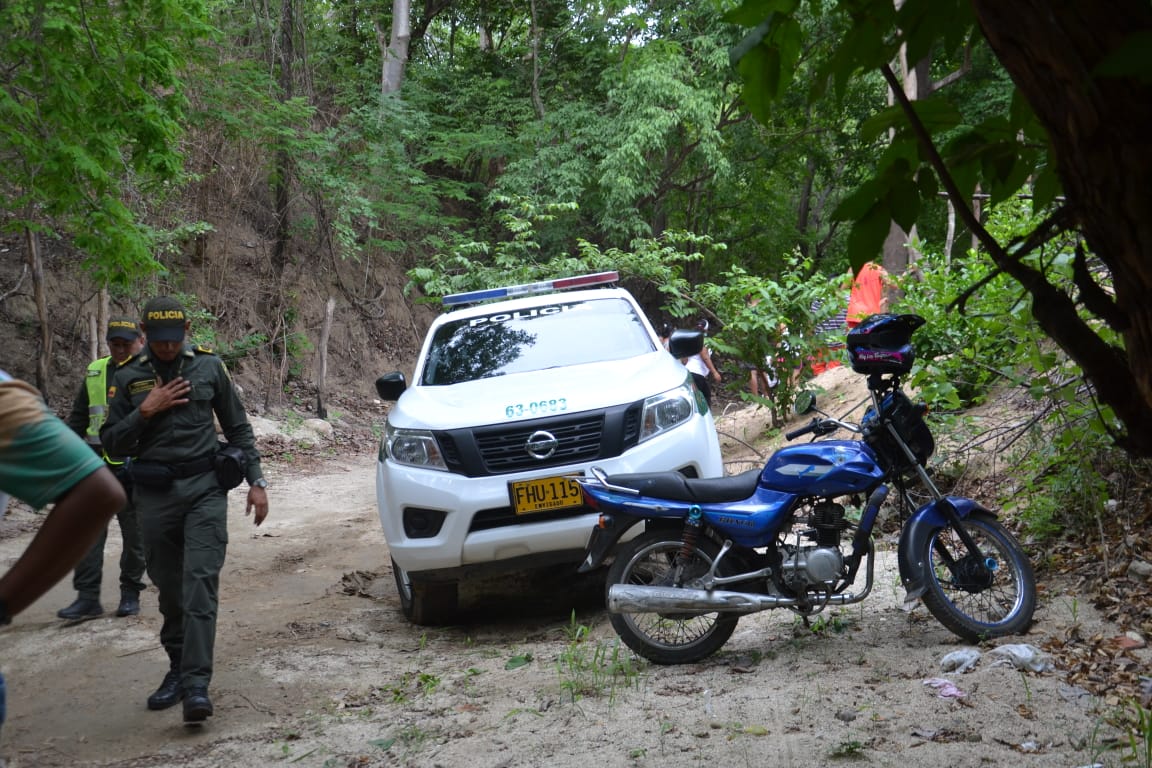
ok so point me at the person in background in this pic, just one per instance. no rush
(758, 382)
(161, 413)
(89, 409)
(42, 461)
(829, 333)
(868, 295)
(701, 367)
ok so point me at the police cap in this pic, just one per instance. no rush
(164, 319)
(121, 327)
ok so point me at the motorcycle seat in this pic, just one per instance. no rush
(701, 490)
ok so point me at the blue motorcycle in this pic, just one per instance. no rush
(714, 549)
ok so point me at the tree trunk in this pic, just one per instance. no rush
(394, 54)
(102, 313)
(1098, 128)
(978, 214)
(283, 160)
(804, 213)
(537, 102)
(950, 237)
(36, 265)
(93, 337)
(322, 374)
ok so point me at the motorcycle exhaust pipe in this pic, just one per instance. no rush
(635, 598)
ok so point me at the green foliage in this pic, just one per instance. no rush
(233, 352)
(961, 355)
(851, 749)
(764, 320)
(599, 669)
(999, 150)
(517, 258)
(90, 111)
(993, 346)
(1134, 722)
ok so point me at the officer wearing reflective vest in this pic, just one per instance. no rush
(160, 412)
(89, 410)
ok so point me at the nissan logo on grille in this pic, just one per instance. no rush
(541, 444)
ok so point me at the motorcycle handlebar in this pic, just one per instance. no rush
(809, 427)
(821, 427)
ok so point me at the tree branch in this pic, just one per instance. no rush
(1095, 298)
(1104, 365)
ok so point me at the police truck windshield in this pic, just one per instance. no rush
(562, 333)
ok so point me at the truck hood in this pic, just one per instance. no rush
(537, 394)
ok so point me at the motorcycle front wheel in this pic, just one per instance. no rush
(976, 598)
(681, 638)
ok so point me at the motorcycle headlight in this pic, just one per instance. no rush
(666, 411)
(415, 447)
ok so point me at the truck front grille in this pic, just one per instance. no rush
(503, 448)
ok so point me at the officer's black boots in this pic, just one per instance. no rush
(197, 705)
(129, 603)
(170, 691)
(82, 608)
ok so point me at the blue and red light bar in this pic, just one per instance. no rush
(507, 292)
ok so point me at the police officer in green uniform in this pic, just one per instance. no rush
(89, 409)
(161, 406)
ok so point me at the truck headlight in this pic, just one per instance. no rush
(415, 447)
(665, 411)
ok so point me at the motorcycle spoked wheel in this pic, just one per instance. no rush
(970, 599)
(679, 638)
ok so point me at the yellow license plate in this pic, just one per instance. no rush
(544, 494)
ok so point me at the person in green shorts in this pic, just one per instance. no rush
(160, 411)
(41, 462)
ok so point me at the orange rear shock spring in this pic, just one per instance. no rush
(692, 525)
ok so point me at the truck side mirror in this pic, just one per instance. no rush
(684, 343)
(391, 385)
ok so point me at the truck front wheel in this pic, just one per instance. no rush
(427, 603)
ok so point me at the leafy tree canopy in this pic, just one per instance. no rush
(1074, 132)
(91, 105)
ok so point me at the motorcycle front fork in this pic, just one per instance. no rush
(954, 522)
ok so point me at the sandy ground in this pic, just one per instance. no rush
(317, 667)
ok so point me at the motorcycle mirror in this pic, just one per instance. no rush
(805, 402)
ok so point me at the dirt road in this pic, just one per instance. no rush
(316, 667)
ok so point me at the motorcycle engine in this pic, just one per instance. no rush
(810, 566)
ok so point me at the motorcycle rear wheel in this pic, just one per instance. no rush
(976, 599)
(662, 638)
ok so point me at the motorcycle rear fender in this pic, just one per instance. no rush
(919, 530)
(605, 537)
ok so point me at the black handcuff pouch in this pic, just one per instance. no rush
(231, 466)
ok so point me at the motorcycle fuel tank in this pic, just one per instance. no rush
(823, 468)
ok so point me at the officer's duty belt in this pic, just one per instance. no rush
(189, 468)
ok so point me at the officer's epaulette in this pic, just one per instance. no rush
(204, 350)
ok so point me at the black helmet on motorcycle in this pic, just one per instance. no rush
(882, 344)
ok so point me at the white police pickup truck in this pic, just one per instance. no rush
(509, 400)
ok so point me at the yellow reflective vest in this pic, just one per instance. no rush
(97, 386)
